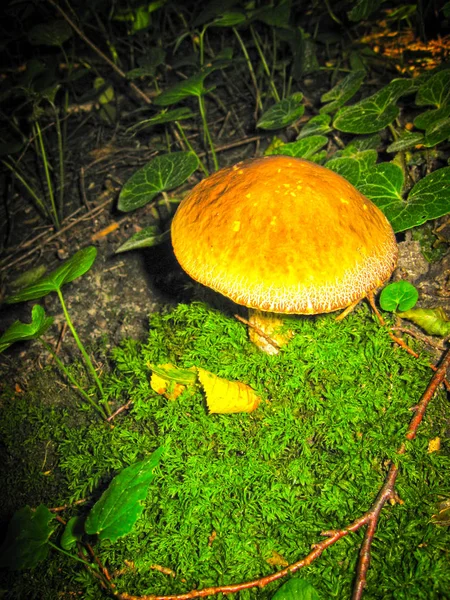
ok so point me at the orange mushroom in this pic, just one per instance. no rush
(283, 235)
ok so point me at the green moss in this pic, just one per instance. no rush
(336, 404)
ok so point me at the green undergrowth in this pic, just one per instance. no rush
(233, 492)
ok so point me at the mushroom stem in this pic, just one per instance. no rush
(263, 331)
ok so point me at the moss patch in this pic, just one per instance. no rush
(234, 491)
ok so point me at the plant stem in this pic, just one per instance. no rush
(250, 68)
(189, 145)
(85, 355)
(61, 161)
(264, 64)
(53, 212)
(201, 102)
(71, 378)
(27, 186)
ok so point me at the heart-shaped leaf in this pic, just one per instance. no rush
(363, 9)
(375, 112)
(26, 542)
(120, 506)
(428, 118)
(435, 91)
(342, 92)
(353, 166)
(303, 148)
(437, 133)
(400, 295)
(408, 139)
(296, 589)
(19, 332)
(162, 173)
(146, 238)
(282, 113)
(52, 33)
(72, 268)
(429, 198)
(320, 124)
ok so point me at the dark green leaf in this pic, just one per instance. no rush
(26, 543)
(304, 148)
(118, 509)
(437, 133)
(283, 113)
(429, 198)
(400, 295)
(407, 139)
(320, 124)
(189, 87)
(229, 19)
(162, 173)
(72, 268)
(73, 533)
(353, 164)
(343, 91)
(52, 33)
(435, 91)
(165, 116)
(432, 320)
(146, 238)
(428, 118)
(29, 277)
(363, 9)
(376, 112)
(19, 332)
(296, 589)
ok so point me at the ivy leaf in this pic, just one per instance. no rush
(407, 139)
(320, 124)
(146, 238)
(162, 173)
(342, 92)
(355, 166)
(401, 295)
(19, 331)
(437, 133)
(52, 33)
(303, 148)
(120, 506)
(296, 589)
(282, 113)
(429, 198)
(432, 320)
(375, 112)
(26, 542)
(71, 269)
(435, 91)
(363, 9)
(428, 118)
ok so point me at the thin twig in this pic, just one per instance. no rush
(259, 331)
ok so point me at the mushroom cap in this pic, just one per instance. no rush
(284, 235)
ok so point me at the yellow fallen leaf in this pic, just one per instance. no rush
(434, 445)
(169, 389)
(170, 381)
(223, 396)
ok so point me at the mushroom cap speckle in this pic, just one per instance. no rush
(285, 235)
